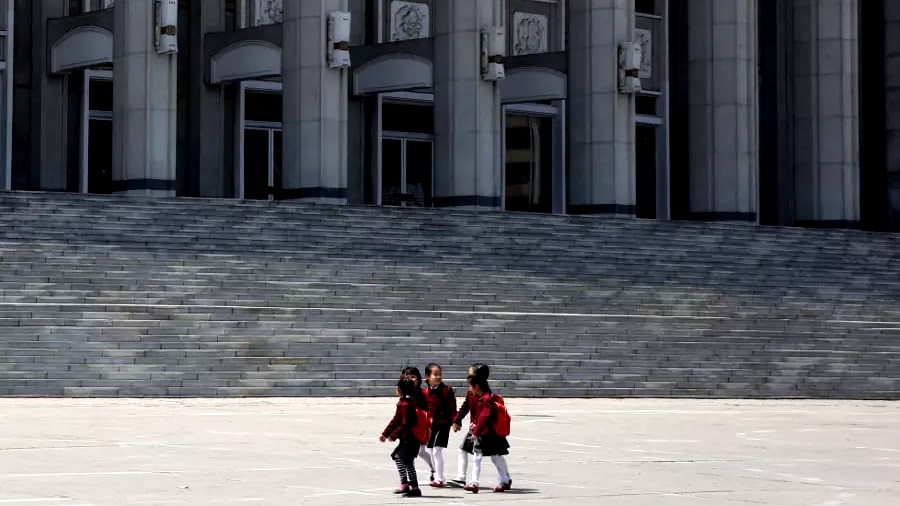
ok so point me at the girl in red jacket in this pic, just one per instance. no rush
(400, 429)
(421, 401)
(441, 409)
(487, 442)
(469, 407)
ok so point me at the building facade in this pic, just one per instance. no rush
(773, 111)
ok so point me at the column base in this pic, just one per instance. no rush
(829, 224)
(469, 202)
(145, 187)
(725, 216)
(614, 209)
(316, 195)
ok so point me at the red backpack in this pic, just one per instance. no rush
(502, 421)
(422, 430)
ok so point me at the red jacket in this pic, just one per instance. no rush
(441, 404)
(405, 419)
(487, 411)
(469, 405)
(420, 398)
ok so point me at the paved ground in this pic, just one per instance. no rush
(325, 452)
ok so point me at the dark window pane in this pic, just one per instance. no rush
(407, 118)
(256, 164)
(101, 95)
(391, 172)
(645, 6)
(645, 105)
(277, 157)
(263, 106)
(418, 173)
(646, 172)
(100, 135)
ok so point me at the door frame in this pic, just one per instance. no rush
(663, 200)
(557, 112)
(270, 129)
(8, 66)
(86, 116)
(399, 97)
(242, 123)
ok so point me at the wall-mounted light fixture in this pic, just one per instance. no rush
(166, 26)
(338, 40)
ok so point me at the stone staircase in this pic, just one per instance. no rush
(116, 296)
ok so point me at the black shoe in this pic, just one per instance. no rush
(414, 492)
(432, 477)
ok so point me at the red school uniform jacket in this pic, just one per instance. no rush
(486, 414)
(405, 419)
(470, 405)
(441, 404)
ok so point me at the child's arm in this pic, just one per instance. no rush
(393, 425)
(451, 398)
(463, 411)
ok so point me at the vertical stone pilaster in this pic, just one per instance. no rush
(315, 106)
(144, 104)
(892, 92)
(601, 129)
(723, 101)
(826, 112)
(49, 157)
(467, 114)
(207, 131)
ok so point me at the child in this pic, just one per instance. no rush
(400, 429)
(487, 442)
(469, 407)
(441, 409)
(414, 374)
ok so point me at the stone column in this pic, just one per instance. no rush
(892, 90)
(49, 100)
(467, 113)
(207, 131)
(722, 68)
(826, 111)
(315, 106)
(144, 104)
(601, 128)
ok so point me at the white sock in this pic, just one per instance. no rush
(423, 453)
(476, 469)
(502, 468)
(462, 465)
(437, 457)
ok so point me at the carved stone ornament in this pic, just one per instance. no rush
(410, 20)
(645, 38)
(529, 33)
(269, 12)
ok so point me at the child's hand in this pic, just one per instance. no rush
(456, 427)
(382, 439)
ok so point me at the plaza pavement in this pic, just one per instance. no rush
(565, 452)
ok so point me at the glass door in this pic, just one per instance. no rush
(529, 168)
(646, 167)
(259, 176)
(97, 133)
(407, 162)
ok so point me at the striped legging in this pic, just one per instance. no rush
(407, 472)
